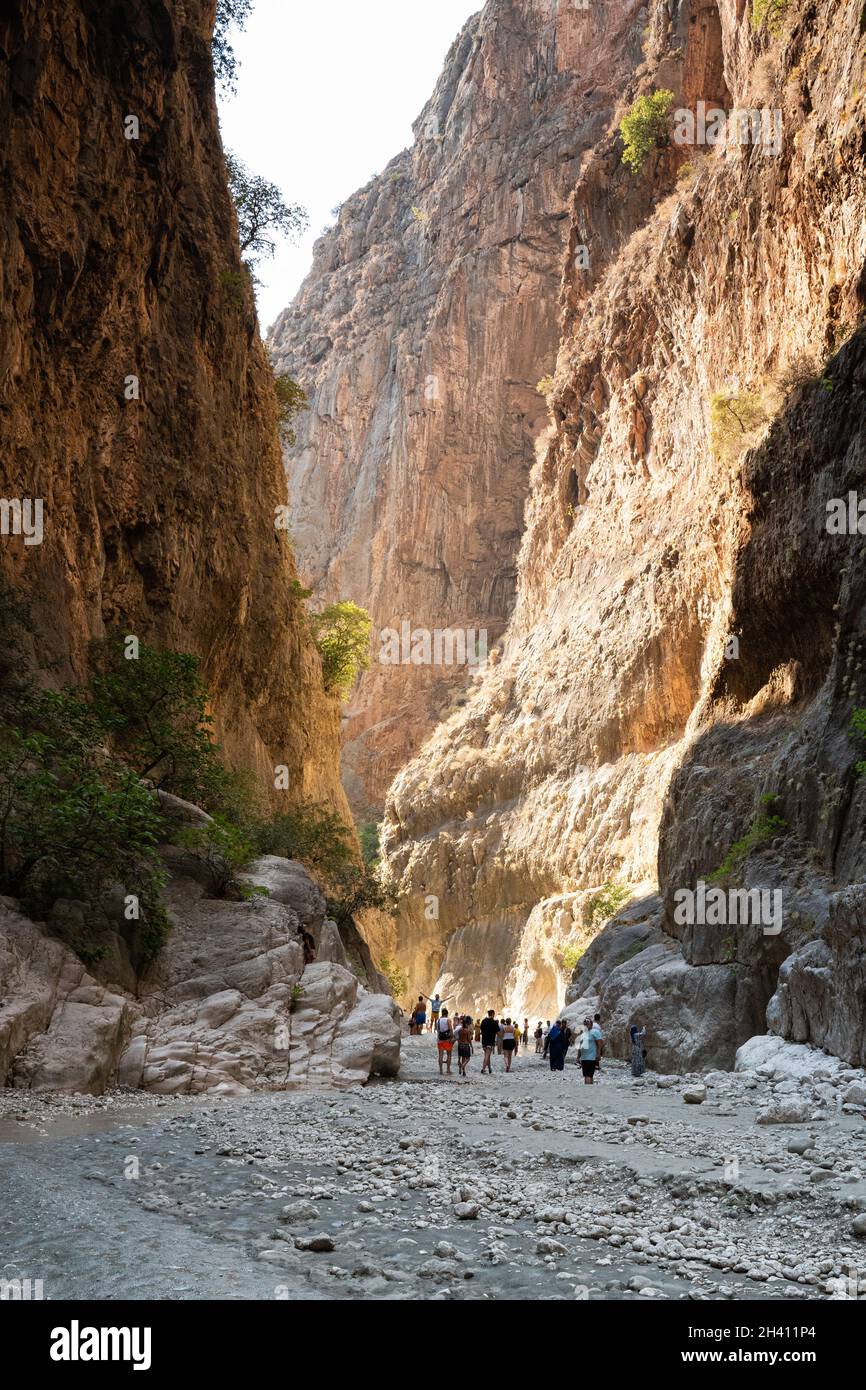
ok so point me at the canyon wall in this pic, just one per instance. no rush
(420, 335)
(688, 636)
(119, 262)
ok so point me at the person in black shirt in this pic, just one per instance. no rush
(489, 1031)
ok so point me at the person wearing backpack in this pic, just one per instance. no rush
(444, 1040)
(464, 1045)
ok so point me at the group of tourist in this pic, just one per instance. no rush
(504, 1037)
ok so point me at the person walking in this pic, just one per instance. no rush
(638, 1056)
(420, 1014)
(546, 1037)
(444, 1040)
(526, 1033)
(464, 1045)
(588, 1052)
(556, 1047)
(489, 1034)
(509, 1042)
(539, 1038)
(499, 1038)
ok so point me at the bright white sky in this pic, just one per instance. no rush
(326, 95)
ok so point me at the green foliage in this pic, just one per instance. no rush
(354, 888)
(73, 818)
(858, 730)
(311, 833)
(734, 418)
(16, 683)
(234, 285)
(261, 211)
(606, 903)
(769, 12)
(298, 590)
(342, 635)
(292, 399)
(420, 215)
(155, 710)
(224, 849)
(645, 126)
(368, 834)
(398, 980)
(766, 825)
(571, 954)
(545, 386)
(229, 13)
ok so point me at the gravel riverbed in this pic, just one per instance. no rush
(529, 1186)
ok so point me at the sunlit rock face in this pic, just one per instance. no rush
(428, 319)
(687, 635)
(136, 399)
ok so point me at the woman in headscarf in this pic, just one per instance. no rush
(638, 1066)
(556, 1047)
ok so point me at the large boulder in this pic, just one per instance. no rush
(686, 1010)
(59, 1028)
(228, 1007)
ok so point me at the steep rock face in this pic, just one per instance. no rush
(119, 260)
(622, 736)
(420, 335)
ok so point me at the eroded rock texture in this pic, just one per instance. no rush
(621, 736)
(420, 335)
(229, 1007)
(119, 260)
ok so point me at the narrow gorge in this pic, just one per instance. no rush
(478, 647)
(677, 631)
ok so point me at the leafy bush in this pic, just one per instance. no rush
(645, 126)
(368, 834)
(234, 285)
(354, 888)
(398, 980)
(606, 903)
(312, 833)
(734, 418)
(292, 400)
(766, 825)
(545, 386)
(224, 849)
(73, 818)
(570, 955)
(858, 730)
(769, 12)
(342, 635)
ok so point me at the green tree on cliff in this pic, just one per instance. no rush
(262, 211)
(342, 634)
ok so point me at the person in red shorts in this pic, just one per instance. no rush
(444, 1041)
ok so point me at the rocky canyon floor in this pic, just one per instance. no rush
(529, 1186)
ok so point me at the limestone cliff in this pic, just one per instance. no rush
(708, 403)
(420, 335)
(120, 262)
